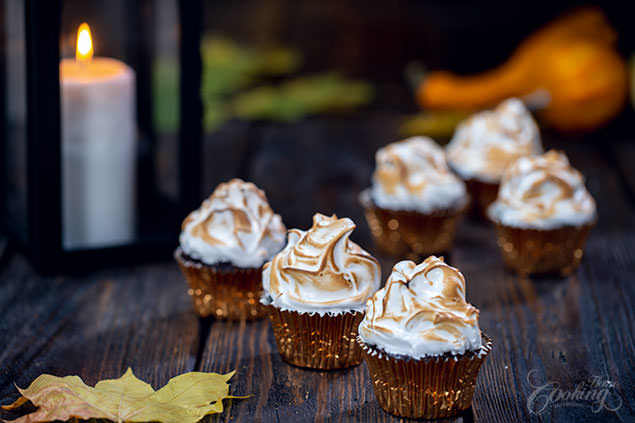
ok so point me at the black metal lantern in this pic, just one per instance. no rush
(59, 184)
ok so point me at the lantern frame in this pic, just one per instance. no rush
(42, 238)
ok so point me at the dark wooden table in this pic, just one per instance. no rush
(563, 330)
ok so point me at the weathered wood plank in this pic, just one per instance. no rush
(615, 209)
(566, 329)
(319, 165)
(282, 392)
(622, 153)
(540, 324)
(95, 326)
(606, 303)
(503, 317)
(32, 311)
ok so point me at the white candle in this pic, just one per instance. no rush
(98, 149)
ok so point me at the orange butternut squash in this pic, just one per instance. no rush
(573, 58)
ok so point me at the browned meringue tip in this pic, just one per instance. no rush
(483, 194)
(536, 251)
(429, 388)
(318, 342)
(410, 234)
(232, 293)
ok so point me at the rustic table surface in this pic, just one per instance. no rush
(561, 330)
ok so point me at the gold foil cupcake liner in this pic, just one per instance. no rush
(535, 251)
(430, 388)
(233, 293)
(317, 342)
(483, 194)
(409, 234)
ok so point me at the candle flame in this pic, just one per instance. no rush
(84, 52)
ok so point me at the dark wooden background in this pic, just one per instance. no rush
(96, 325)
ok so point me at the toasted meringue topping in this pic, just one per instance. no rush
(489, 141)
(422, 312)
(543, 192)
(321, 270)
(413, 175)
(236, 225)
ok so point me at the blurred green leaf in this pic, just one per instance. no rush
(215, 113)
(299, 97)
(229, 66)
(231, 70)
(280, 61)
(226, 66)
(165, 91)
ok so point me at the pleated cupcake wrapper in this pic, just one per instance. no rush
(483, 194)
(430, 388)
(409, 234)
(535, 251)
(232, 293)
(318, 342)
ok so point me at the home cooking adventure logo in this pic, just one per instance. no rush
(596, 392)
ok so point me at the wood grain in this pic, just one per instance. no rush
(539, 324)
(622, 154)
(566, 330)
(95, 326)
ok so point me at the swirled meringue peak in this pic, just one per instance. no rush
(236, 225)
(422, 312)
(321, 270)
(489, 141)
(543, 192)
(413, 175)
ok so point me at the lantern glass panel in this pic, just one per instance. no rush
(14, 109)
(119, 135)
(165, 92)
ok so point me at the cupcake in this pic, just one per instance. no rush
(415, 202)
(422, 342)
(542, 215)
(315, 290)
(486, 143)
(223, 246)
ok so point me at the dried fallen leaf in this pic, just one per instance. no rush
(186, 398)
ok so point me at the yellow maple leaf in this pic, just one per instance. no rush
(186, 398)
